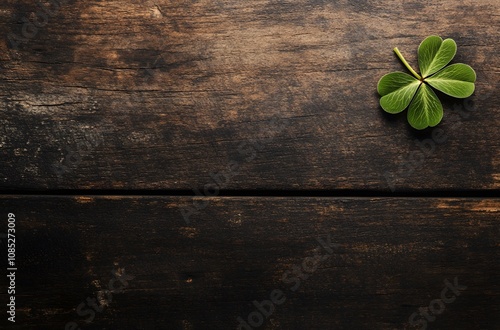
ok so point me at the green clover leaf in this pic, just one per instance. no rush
(399, 90)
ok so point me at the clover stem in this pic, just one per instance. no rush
(401, 57)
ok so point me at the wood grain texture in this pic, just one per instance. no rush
(393, 256)
(159, 94)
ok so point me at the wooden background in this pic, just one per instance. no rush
(115, 114)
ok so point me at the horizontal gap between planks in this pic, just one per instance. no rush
(257, 193)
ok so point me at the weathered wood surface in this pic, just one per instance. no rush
(159, 94)
(391, 256)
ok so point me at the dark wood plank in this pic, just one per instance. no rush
(388, 258)
(157, 95)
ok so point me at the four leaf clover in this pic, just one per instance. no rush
(398, 90)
